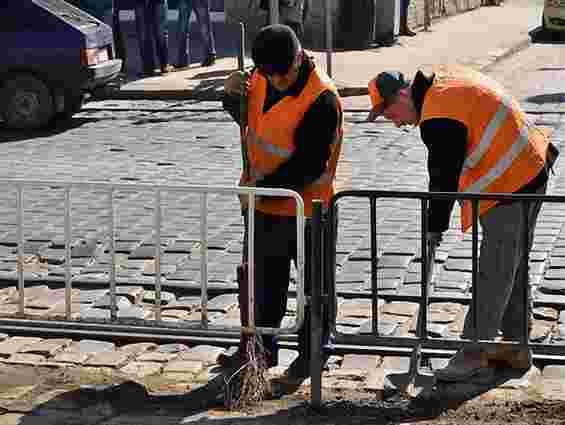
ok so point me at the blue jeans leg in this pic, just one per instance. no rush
(202, 10)
(158, 23)
(143, 37)
(183, 32)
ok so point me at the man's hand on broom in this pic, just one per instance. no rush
(237, 83)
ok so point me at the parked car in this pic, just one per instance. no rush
(52, 55)
(553, 18)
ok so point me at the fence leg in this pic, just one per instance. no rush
(316, 306)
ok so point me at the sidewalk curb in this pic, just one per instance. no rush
(216, 94)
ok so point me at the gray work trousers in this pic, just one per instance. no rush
(503, 271)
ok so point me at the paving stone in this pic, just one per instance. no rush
(90, 346)
(142, 369)
(207, 354)
(138, 348)
(540, 331)
(400, 308)
(555, 274)
(172, 348)
(106, 301)
(71, 358)
(546, 313)
(48, 347)
(133, 293)
(360, 361)
(390, 261)
(135, 312)
(553, 287)
(438, 363)
(187, 304)
(385, 327)
(166, 297)
(356, 308)
(459, 264)
(223, 303)
(286, 357)
(184, 366)
(91, 295)
(89, 313)
(16, 344)
(524, 382)
(16, 393)
(113, 359)
(25, 359)
(155, 356)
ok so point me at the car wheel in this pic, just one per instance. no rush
(73, 104)
(28, 102)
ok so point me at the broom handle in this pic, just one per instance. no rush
(250, 328)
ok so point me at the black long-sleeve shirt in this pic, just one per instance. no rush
(313, 137)
(446, 141)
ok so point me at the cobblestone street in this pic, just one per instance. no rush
(196, 143)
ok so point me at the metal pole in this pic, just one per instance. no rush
(111, 226)
(68, 237)
(374, 270)
(316, 307)
(525, 334)
(20, 219)
(329, 36)
(158, 220)
(274, 17)
(427, 17)
(241, 53)
(204, 259)
(475, 275)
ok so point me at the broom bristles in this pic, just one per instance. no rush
(248, 386)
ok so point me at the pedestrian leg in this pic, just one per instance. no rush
(144, 37)
(202, 11)
(159, 22)
(183, 33)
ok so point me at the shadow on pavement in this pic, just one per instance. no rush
(203, 405)
(542, 36)
(53, 129)
(547, 98)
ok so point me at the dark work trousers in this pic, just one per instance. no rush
(203, 20)
(503, 271)
(275, 248)
(151, 23)
(404, 5)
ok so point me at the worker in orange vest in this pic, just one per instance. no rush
(293, 141)
(478, 140)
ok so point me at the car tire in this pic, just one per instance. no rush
(73, 104)
(28, 102)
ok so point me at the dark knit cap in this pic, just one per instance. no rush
(275, 49)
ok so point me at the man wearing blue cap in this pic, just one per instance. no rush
(479, 141)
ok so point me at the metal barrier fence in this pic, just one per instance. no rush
(324, 283)
(157, 191)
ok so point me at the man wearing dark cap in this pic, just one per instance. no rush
(293, 141)
(479, 141)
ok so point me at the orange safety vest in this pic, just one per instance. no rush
(270, 141)
(504, 150)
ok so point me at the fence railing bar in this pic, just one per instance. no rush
(374, 269)
(113, 264)
(475, 272)
(204, 260)
(68, 237)
(20, 233)
(158, 219)
(525, 334)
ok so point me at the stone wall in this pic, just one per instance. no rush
(247, 11)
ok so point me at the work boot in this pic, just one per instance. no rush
(462, 366)
(404, 28)
(509, 357)
(210, 60)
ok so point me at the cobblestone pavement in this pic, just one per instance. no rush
(187, 143)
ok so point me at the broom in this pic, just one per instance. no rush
(248, 385)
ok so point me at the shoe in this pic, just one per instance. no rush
(462, 366)
(179, 67)
(210, 60)
(406, 31)
(299, 369)
(510, 357)
(165, 69)
(147, 74)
